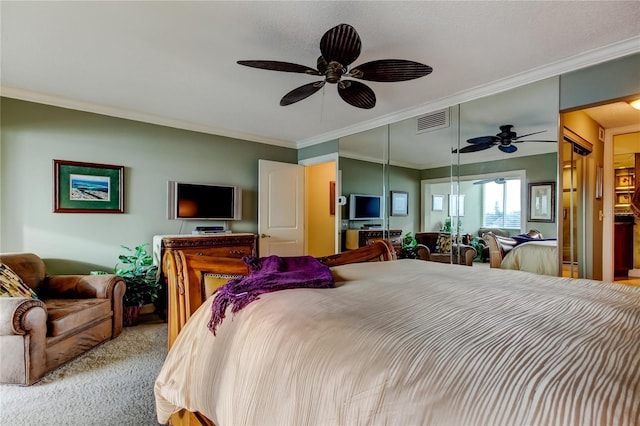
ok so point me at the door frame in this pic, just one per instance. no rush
(326, 158)
(607, 199)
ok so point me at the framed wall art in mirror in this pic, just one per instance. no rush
(399, 203)
(456, 205)
(542, 202)
(436, 203)
(87, 187)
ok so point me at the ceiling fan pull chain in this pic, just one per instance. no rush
(322, 105)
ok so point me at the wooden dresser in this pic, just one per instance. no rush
(219, 245)
(363, 237)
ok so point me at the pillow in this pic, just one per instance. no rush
(211, 282)
(443, 243)
(11, 285)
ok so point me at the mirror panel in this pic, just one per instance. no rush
(414, 154)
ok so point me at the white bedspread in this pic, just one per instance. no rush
(539, 257)
(410, 342)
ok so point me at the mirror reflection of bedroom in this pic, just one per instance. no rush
(428, 149)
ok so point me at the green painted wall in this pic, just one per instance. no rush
(364, 177)
(318, 150)
(33, 135)
(611, 80)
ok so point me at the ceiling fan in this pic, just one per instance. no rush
(340, 46)
(503, 140)
(499, 181)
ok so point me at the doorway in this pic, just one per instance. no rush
(294, 213)
(602, 125)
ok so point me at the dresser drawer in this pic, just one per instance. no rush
(230, 251)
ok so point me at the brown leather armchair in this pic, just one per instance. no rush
(461, 254)
(72, 314)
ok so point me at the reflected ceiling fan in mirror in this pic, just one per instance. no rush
(499, 181)
(503, 140)
(340, 47)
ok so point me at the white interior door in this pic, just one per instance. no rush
(280, 209)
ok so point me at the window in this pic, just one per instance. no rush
(501, 204)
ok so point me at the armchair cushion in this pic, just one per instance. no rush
(66, 315)
(11, 285)
(443, 243)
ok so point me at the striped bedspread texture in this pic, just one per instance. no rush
(539, 257)
(410, 342)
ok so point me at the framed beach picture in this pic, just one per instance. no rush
(87, 187)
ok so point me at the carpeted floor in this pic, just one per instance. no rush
(111, 384)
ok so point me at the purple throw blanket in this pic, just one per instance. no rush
(268, 274)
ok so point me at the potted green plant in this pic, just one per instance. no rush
(140, 276)
(408, 249)
(478, 245)
(450, 224)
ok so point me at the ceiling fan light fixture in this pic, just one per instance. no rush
(635, 104)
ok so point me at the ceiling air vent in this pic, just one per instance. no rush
(434, 121)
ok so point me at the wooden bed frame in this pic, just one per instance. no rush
(498, 248)
(185, 282)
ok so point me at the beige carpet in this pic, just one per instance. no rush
(111, 384)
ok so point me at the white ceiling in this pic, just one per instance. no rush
(174, 62)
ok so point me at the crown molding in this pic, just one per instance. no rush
(585, 59)
(62, 102)
(555, 69)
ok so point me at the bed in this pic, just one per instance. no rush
(539, 257)
(410, 342)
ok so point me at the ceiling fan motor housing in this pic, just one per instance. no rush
(334, 72)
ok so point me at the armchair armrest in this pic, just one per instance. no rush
(468, 253)
(23, 337)
(83, 286)
(18, 315)
(423, 252)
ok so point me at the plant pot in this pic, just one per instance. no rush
(130, 315)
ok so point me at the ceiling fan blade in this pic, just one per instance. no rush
(499, 181)
(480, 182)
(528, 134)
(390, 70)
(280, 66)
(341, 44)
(532, 140)
(357, 94)
(301, 93)
(475, 148)
(509, 149)
(484, 140)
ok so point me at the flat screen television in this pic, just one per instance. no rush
(203, 201)
(365, 207)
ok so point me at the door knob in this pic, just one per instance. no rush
(265, 236)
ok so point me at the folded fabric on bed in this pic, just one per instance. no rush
(268, 274)
(525, 238)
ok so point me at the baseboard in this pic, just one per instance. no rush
(634, 273)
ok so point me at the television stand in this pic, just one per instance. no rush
(356, 238)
